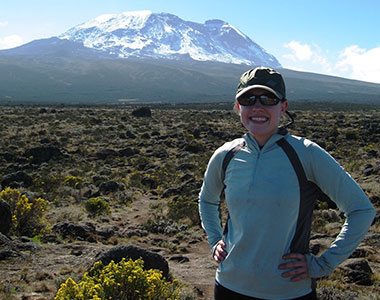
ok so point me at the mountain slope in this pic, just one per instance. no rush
(66, 72)
(144, 34)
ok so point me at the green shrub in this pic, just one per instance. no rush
(182, 208)
(123, 280)
(73, 181)
(97, 206)
(28, 215)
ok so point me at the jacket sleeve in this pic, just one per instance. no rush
(209, 198)
(350, 199)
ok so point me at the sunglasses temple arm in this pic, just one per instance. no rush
(291, 119)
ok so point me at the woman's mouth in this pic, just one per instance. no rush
(259, 119)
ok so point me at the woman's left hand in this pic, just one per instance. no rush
(298, 267)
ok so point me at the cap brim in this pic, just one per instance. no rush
(257, 86)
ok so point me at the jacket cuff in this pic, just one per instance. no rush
(318, 266)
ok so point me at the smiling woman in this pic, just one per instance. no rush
(271, 185)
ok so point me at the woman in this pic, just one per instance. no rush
(270, 186)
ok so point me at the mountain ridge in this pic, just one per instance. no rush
(145, 34)
(75, 77)
(56, 70)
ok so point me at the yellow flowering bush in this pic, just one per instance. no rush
(123, 280)
(73, 181)
(28, 215)
(97, 206)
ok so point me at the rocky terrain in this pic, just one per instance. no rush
(144, 165)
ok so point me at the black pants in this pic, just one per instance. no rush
(222, 293)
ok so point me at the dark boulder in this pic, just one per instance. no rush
(130, 134)
(127, 152)
(82, 232)
(5, 241)
(105, 153)
(109, 187)
(151, 260)
(16, 179)
(7, 156)
(149, 183)
(194, 148)
(7, 248)
(8, 253)
(142, 112)
(5, 217)
(43, 154)
(358, 271)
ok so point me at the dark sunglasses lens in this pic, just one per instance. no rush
(246, 101)
(268, 101)
(264, 100)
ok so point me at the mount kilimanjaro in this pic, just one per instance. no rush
(144, 34)
(153, 57)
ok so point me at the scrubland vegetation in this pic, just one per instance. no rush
(81, 180)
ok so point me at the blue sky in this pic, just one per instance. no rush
(336, 37)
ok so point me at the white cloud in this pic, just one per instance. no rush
(298, 51)
(306, 57)
(353, 62)
(3, 24)
(10, 41)
(361, 64)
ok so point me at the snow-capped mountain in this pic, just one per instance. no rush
(162, 35)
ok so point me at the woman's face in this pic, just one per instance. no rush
(261, 121)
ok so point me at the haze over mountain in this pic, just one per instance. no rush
(141, 56)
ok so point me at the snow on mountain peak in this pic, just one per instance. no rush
(109, 22)
(163, 35)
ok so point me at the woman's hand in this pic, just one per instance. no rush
(220, 252)
(298, 268)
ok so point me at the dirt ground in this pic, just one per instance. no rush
(36, 274)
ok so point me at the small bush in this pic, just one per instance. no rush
(123, 280)
(97, 206)
(28, 215)
(73, 181)
(181, 208)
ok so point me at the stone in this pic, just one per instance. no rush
(142, 112)
(151, 260)
(43, 154)
(5, 217)
(358, 271)
(16, 179)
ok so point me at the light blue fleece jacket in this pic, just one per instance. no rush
(263, 198)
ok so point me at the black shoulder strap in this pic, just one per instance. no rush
(297, 165)
(230, 154)
(294, 159)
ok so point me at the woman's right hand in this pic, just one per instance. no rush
(220, 252)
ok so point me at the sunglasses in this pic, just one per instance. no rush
(263, 99)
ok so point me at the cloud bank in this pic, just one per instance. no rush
(352, 62)
(10, 41)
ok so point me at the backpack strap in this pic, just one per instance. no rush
(294, 159)
(230, 154)
(309, 193)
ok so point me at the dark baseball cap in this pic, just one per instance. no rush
(263, 78)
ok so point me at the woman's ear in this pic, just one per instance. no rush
(284, 106)
(237, 107)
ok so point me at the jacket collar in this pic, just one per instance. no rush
(252, 143)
